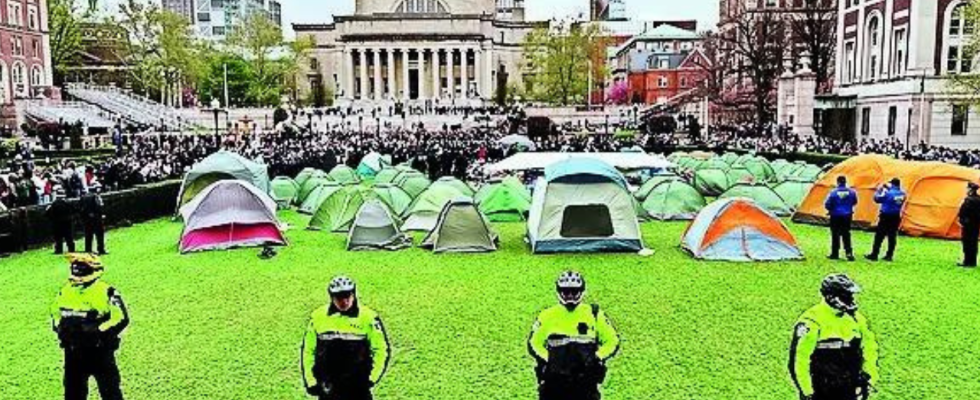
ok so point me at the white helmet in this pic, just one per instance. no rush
(341, 284)
(571, 288)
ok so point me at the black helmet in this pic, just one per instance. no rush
(341, 285)
(571, 288)
(839, 291)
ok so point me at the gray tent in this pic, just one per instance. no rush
(461, 228)
(375, 228)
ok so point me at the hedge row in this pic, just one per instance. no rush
(25, 228)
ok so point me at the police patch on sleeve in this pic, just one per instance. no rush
(802, 330)
(115, 299)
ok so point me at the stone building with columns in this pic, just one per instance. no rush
(410, 50)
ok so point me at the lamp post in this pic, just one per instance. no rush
(216, 107)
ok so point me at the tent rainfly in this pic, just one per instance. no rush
(504, 202)
(373, 163)
(344, 174)
(317, 196)
(284, 191)
(461, 228)
(376, 228)
(223, 165)
(673, 200)
(736, 229)
(424, 212)
(337, 212)
(228, 214)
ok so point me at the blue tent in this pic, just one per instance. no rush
(582, 205)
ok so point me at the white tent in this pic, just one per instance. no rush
(622, 161)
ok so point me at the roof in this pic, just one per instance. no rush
(662, 32)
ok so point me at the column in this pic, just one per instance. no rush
(392, 82)
(450, 73)
(348, 74)
(478, 70)
(405, 81)
(422, 89)
(377, 74)
(364, 81)
(489, 84)
(436, 91)
(463, 73)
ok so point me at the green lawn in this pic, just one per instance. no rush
(226, 325)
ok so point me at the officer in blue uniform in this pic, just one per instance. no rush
(892, 198)
(840, 205)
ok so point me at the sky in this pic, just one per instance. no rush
(705, 11)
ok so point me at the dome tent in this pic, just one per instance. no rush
(223, 165)
(337, 212)
(317, 196)
(644, 190)
(308, 173)
(376, 228)
(760, 169)
(793, 191)
(228, 214)
(454, 182)
(393, 196)
(386, 175)
(284, 191)
(673, 200)
(309, 186)
(762, 195)
(372, 163)
(711, 182)
(413, 183)
(461, 228)
(739, 174)
(424, 212)
(344, 174)
(504, 202)
(582, 205)
(737, 229)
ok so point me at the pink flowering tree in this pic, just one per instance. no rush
(618, 93)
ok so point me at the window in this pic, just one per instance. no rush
(873, 45)
(849, 54)
(204, 17)
(770, 3)
(961, 117)
(13, 14)
(17, 45)
(586, 221)
(18, 76)
(684, 82)
(958, 59)
(218, 30)
(32, 18)
(35, 48)
(314, 64)
(662, 82)
(892, 119)
(865, 121)
(421, 7)
(36, 77)
(663, 63)
(898, 54)
(956, 21)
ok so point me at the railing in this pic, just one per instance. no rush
(133, 107)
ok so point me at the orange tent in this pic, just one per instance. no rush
(935, 192)
(738, 229)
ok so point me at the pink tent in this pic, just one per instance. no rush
(227, 214)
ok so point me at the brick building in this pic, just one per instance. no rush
(25, 61)
(659, 65)
(894, 61)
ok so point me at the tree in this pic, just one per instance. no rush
(256, 37)
(558, 62)
(291, 63)
(753, 50)
(967, 85)
(618, 93)
(814, 31)
(65, 34)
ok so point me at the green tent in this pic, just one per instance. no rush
(284, 191)
(424, 212)
(715, 163)
(308, 173)
(644, 190)
(393, 196)
(739, 174)
(461, 228)
(317, 196)
(729, 158)
(809, 172)
(337, 212)
(376, 228)
(793, 191)
(673, 200)
(504, 202)
(223, 165)
(306, 188)
(344, 174)
(459, 185)
(413, 183)
(677, 156)
(386, 175)
(763, 196)
(761, 169)
(711, 182)
(743, 158)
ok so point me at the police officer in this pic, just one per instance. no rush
(345, 351)
(970, 221)
(88, 315)
(93, 217)
(840, 205)
(571, 344)
(892, 198)
(834, 355)
(60, 214)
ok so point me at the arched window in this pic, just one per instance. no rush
(873, 45)
(421, 7)
(36, 77)
(958, 34)
(18, 76)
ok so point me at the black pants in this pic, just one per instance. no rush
(100, 363)
(63, 236)
(839, 394)
(887, 228)
(97, 229)
(840, 232)
(341, 393)
(568, 392)
(970, 237)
